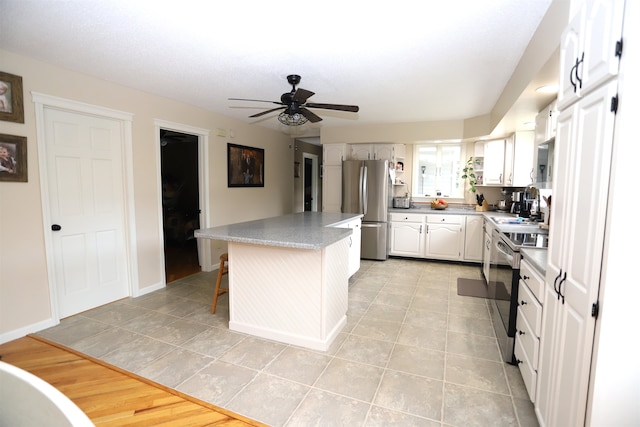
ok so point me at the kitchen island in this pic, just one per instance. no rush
(289, 276)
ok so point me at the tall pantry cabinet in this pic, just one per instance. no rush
(590, 51)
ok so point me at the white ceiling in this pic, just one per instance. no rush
(400, 61)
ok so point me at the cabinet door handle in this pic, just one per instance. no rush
(523, 302)
(421, 229)
(575, 88)
(521, 332)
(560, 287)
(555, 281)
(525, 277)
(578, 62)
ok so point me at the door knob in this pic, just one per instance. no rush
(56, 227)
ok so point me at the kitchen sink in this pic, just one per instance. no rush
(513, 221)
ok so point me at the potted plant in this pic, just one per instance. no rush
(468, 174)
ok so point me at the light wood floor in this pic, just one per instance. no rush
(111, 396)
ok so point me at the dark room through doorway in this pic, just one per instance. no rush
(180, 203)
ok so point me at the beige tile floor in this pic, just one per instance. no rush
(413, 353)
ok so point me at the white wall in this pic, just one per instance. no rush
(24, 287)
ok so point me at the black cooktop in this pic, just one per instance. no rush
(529, 240)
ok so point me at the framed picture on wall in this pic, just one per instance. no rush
(245, 166)
(13, 158)
(11, 104)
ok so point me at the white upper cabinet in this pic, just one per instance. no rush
(546, 122)
(507, 162)
(334, 154)
(361, 152)
(509, 147)
(590, 49)
(375, 151)
(383, 152)
(494, 152)
(399, 152)
(521, 173)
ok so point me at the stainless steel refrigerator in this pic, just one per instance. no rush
(365, 190)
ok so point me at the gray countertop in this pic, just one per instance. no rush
(306, 230)
(451, 210)
(470, 210)
(537, 258)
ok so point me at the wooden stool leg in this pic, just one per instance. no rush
(217, 290)
(222, 270)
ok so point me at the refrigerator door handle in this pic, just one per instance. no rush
(363, 190)
(360, 203)
(373, 224)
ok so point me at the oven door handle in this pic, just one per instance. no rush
(505, 251)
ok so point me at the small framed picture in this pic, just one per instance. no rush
(13, 158)
(11, 103)
(245, 166)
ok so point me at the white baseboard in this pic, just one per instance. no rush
(150, 289)
(26, 330)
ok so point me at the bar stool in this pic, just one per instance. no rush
(222, 270)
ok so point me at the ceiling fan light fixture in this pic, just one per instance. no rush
(295, 119)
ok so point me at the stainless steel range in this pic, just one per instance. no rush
(504, 274)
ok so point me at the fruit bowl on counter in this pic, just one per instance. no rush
(439, 204)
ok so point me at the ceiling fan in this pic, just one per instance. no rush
(295, 106)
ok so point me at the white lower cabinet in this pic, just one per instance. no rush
(436, 236)
(529, 325)
(354, 244)
(445, 237)
(473, 238)
(407, 235)
(486, 249)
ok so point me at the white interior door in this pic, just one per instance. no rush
(84, 161)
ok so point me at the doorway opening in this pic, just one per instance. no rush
(310, 182)
(180, 203)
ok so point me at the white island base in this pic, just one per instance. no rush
(295, 296)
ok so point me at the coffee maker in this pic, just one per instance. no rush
(520, 206)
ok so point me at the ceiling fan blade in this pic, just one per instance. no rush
(302, 95)
(255, 100)
(352, 108)
(267, 112)
(312, 117)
